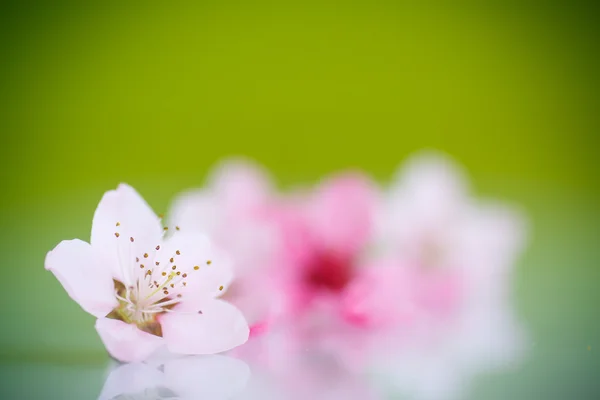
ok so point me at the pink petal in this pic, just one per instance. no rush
(241, 185)
(439, 292)
(123, 214)
(253, 295)
(218, 328)
(87, 281)
(381, 296)
(126, 342)
(342, 213)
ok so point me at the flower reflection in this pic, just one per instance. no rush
(193, 377)
(296, 373)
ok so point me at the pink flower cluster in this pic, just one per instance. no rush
(412, 279)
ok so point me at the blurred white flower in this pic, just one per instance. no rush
(458, 255)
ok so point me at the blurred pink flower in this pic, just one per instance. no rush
(292, 253)
(325, 233)
(148, 290)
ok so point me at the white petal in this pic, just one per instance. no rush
(87, 281)
(220, 327)
(432, 185)
(124, 212)
(126, 342)
(214, 268)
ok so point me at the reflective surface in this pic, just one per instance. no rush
(555, 297)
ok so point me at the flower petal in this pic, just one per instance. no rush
(432, 186)
(342, 213)
(380, 296)
(126, 342)
(75, 266)
(219, 327)
(122, 214)
(241, 185)
(188, 251)
(426, 199)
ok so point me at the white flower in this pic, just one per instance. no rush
(147, 288)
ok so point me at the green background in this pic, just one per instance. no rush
(151, 95)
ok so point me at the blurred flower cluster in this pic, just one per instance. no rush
(344, 290)
(408, 283)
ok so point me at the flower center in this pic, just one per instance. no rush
(152, 284)
(135, 311)
(328, 271)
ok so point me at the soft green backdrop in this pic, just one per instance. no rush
(91, 96)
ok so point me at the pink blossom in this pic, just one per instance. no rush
(325, 235)
(148, 289)
(301, 257)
